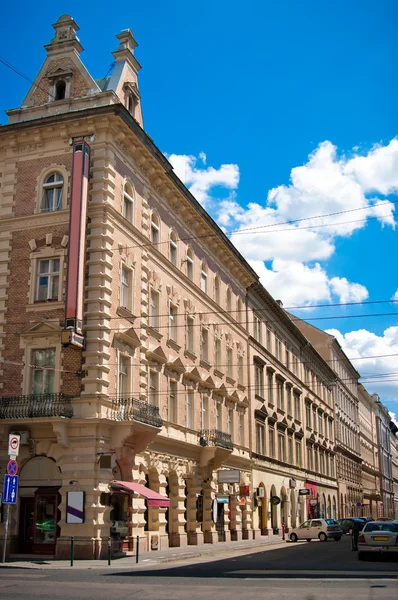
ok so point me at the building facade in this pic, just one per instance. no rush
(345, 391)
(292, 439)
(124, 349)
(383, 428)
(394, 453)
(372, 503)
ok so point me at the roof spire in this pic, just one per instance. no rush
(65, 35)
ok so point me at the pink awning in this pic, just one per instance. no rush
(152, 498)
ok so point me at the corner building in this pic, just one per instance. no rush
(124, 347)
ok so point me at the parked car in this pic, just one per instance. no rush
(379, 537)
(317, 529)
(347, 524)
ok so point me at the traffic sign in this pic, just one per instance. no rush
(10, 489)
(13, 444)
(12, 467)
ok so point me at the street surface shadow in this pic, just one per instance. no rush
(315, 560)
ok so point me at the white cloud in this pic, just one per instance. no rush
(393, 417)
(378, 170)
(348, 292)
(378, 374)
(200, 181)
(395, 296)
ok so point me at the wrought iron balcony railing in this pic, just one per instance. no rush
(35, 406)
(133, 409)
(215, 437)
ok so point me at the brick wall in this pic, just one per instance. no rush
(44, 88)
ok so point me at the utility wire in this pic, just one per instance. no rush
(18, 72)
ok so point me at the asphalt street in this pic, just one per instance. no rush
(305, 571)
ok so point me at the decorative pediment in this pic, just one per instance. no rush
(234, 397)
(60, 71)
(300, 432)
(131, 86)
(173, 294)
(222, 390)
(177, 365)
(41, 329)
(157, 355)
(193, 375)
(244, 402)
(128, 337)
(261, 413)
(189, 306)
(208, 383)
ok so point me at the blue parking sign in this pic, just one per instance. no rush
(10, 489)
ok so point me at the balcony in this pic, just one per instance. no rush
(35, 406)
(215, 437)
(132, 409)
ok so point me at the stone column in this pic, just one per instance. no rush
(209, 487)
(177, 534)
(163, 535)
(138, 508)
(235, 516)
(194, 529)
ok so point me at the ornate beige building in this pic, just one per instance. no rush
(123, 347)
(371, 503)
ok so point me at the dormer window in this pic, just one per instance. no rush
(132, 97)
(60, 90)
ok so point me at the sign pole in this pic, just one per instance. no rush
(3, 558)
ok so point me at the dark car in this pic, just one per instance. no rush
(346, 525)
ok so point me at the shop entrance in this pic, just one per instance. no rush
(220, 527)
(39, 514)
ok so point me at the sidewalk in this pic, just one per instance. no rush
(147, 559)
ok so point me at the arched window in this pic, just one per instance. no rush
(60, 90)
(217, 289)
(203, 277)
(173, 248)
(229, 300)
(155, 229)
(52, 193)
(128, 203)
(190, 263)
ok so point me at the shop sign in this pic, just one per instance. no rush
(75, 507)
(304, 492)
(244, 490)
(228, 476)
(215, 511)
(222, 499)
(313, 502)
(275, 500)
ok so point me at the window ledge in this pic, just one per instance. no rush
(173, 344)
(126, 313)
(45, 305)
(218, 373)
(205, 363)
(190, 353)
(230, 380)
(154, 333)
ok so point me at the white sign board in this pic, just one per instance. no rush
(75, 507)
(14, 440)
(228, 476)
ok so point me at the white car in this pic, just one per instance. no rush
(317, 529)
(379, 537)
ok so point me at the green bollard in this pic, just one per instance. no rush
(137, 548)
(72, 550)
(109, 551)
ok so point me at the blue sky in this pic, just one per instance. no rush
(264, 109)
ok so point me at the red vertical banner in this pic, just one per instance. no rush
(77, 240)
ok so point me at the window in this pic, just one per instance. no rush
(217, 353)
(230, 360)
(298, 453)
(153, 388)
(332, 471)
(322, 462)
(308, 414)
(128, 203)
(153, 309)
(229, 300)
(205, 411)
(281, 447)
(259, 380)
(289, 400)
(204, 344)
(52, 193)
(47, 287)
(310, 462)
(203, 278)
(173, 248)
(190, 333)
(172, 322)
(230, 423)
(269, 341)
(60, 90)
(314, 410)
(123, 379)
(190, 407)
(279, 395)
(290, 449)
(325, 430)
(189, 261)
(173, 417)
(239, 311)
(242, 428)
(270, 388)
(218, 416)
(271, 436)
(297, 411)
(217, 289)
(330, 429)
(257, 328)
(320, 423)
(155, 229)
(43, 371)
(259, 438)
(278, 348)
(316, 459)
(240, 369)
(126, 295)
(287, 358)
